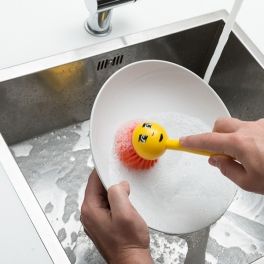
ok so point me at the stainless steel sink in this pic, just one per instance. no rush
(44, 103)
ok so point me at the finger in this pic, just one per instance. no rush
(118, 198)
(125, 186)
(227, 125)
(95, 193)
(230, 168)
(214, 142)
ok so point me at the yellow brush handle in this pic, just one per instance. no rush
(175, 144)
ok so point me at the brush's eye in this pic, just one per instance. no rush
(142, 138)
(148, 125)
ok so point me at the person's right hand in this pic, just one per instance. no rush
(241, 140)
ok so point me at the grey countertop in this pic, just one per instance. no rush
(57, 166)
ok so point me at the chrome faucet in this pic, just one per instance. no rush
(98, 23)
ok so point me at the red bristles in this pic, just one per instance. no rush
(125, 149)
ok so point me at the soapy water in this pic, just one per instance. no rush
(180, 183)
(21, 150)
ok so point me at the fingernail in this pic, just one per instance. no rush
(124, 183)
(126, 186)
(182, 140)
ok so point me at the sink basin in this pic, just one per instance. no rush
(45, 106)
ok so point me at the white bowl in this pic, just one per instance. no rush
(135, 92)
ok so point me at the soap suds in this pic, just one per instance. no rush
(83, 142)
(210, 259)
(167, 249)
(21, 150)
(179, 184)
(90, 162)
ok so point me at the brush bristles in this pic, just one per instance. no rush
(125, 149)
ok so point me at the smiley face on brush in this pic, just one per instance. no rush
(149, 140)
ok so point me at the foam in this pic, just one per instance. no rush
(180, 183)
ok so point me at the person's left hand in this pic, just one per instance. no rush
(113, 224)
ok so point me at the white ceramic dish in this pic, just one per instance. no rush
(136, 91)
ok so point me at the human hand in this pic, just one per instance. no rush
(113, 224)
(241, 140)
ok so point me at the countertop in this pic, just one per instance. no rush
(33, 29)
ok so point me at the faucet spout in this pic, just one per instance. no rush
(99, 21)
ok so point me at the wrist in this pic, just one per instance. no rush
(133, 256)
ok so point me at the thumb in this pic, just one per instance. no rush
(229, 168)
(118, 197)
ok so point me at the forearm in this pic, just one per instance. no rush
(134, 256)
